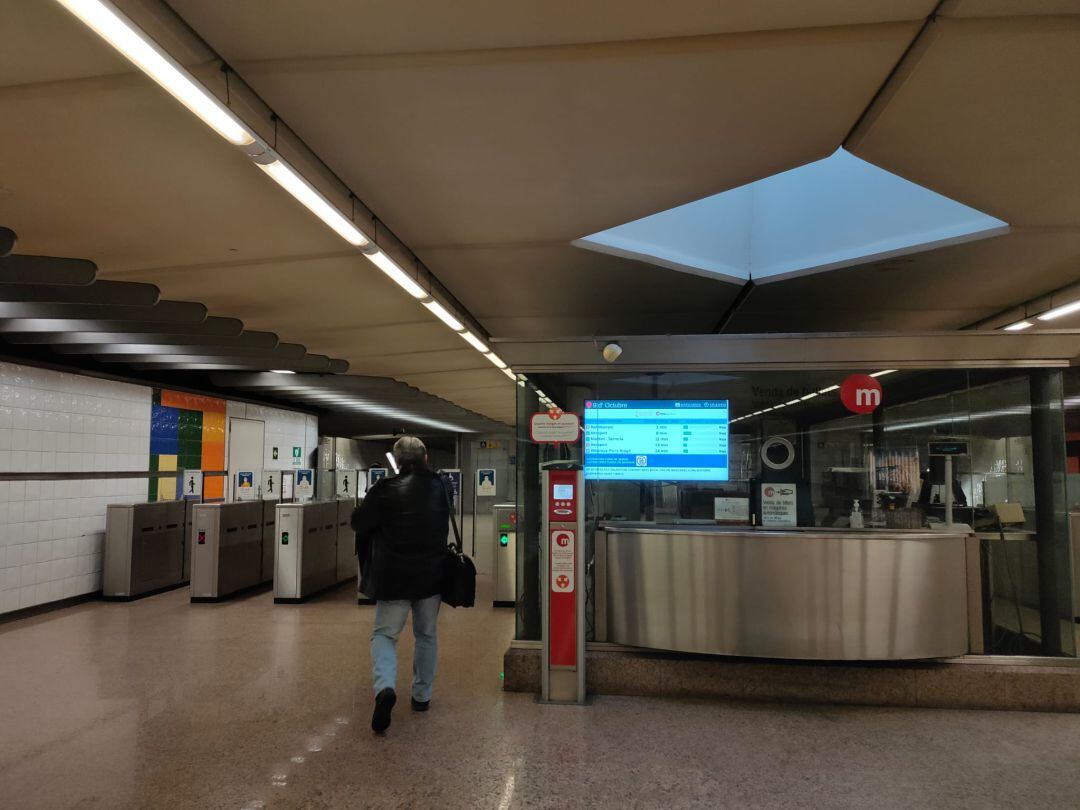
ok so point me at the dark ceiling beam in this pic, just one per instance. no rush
(139, 352)
(188, 312)
(16, 269)
(268, 360)
(211, 326)
(69, 342)
(111, 293)
(311, 363)
(927, 22)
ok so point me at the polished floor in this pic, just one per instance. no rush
(163, 704)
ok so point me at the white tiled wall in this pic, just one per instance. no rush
(56, 422)
(52, 537)
(283, 430)
(51, 532)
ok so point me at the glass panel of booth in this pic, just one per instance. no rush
(802, 453)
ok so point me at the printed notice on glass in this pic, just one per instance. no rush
(778, 505)
(731, 510)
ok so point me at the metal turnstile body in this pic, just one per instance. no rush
(226, 549)
(269, 522)
(189, 518)
(346, 544)
(562, 583)
(305, 549)
(504, 537)
(144, 548)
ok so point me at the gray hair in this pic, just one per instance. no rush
(409, 450)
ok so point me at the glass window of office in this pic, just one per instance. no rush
(887, 469)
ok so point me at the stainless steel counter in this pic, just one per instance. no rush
(802, 593)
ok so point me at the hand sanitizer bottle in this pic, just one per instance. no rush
(856, 521)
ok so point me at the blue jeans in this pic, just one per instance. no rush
(390, 618)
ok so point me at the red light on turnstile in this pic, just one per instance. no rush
(202, 538)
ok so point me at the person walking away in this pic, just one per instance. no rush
(401, 529)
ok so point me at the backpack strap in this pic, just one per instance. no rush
(450, 508)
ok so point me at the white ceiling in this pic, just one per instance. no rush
(489, 135)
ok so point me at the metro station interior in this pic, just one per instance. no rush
(746, 336)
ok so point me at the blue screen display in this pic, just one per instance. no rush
(656, 440)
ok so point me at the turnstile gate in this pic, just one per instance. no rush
(144, 548)
(504, 521)
(306, 550)
(269, 520)
(226, 550)
(346, 544)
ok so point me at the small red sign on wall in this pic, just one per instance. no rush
(860, 393)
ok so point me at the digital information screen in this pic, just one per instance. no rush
(656, 440)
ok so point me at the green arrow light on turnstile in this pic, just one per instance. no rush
(504, 539)
(284, 538)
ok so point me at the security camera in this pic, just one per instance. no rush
(611, 352)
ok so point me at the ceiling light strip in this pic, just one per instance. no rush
(400, 277)
(443, 314)
(1058, 312)
(308, 196)
(118, 30)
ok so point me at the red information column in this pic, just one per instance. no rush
(564, 664)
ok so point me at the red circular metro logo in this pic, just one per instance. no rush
(860, 393)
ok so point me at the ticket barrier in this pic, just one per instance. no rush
(504, 521)
(189, 517)
(269, 518)
(144, 548)
(226, 550)
(306, 550)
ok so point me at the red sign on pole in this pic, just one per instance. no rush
(860, 393)
(562, 605)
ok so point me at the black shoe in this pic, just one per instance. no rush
(384, 704)
(419, 705)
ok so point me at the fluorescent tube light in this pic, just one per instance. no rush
(116, 29)
(509, 372)
(1057, 312)
(808, 396)
(281, 371)
(792, 402)
(393, 463)
(883, 373)
(1016, 327)
(830, 388)
(479, 345)
(494, 358)
(308, 196)
(391, 268)
(443, 314)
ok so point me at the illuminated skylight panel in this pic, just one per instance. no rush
(828, 214)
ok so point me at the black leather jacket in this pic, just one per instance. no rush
(401, 528)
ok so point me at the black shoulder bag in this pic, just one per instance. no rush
(459, 573)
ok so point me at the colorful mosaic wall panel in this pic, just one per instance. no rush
(187, 432)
